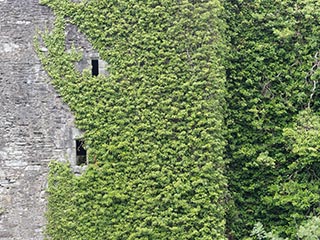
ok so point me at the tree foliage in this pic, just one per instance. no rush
(271, 78)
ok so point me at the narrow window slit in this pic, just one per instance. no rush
(81, 153)
(95, 67)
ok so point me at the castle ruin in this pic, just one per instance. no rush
(36, 126)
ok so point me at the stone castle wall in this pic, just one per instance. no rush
(35, 126)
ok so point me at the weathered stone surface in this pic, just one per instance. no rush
(78, 40)
(35, 126)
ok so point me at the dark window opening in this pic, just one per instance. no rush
(95, 67)
(81, 153)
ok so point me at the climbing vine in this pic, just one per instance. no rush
(164, 122)
(155, 124)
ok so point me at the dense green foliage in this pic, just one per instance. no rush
(308, 230)
(154, 125)
(273, 143)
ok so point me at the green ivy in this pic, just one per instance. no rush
(155, 124)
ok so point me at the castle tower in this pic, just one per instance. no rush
(35, 126)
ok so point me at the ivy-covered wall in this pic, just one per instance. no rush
(154, 127)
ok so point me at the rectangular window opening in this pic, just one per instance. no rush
(95, 67)
(81, 153)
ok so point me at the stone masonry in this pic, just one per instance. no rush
(35, 126)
